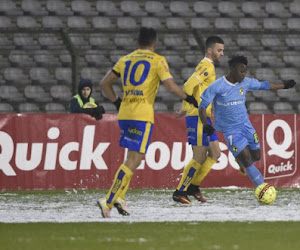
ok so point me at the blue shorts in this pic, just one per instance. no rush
(240, 137)
(196, 137)
(135, 135)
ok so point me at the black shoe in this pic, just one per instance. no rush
(181, 196)
(194, 190)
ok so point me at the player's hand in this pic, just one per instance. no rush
(208, 129)
(117, 103)
(179, 113)
(190, 99)
(289, 84)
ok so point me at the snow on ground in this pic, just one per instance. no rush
(231, 204)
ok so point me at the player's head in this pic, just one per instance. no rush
(85, 88)
(238, 67)
(214, 47)
(146, 38)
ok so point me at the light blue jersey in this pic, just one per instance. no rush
(229, 101)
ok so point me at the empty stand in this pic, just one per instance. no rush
(156, 8)
(230, 9)
(36, 93)
(58, 7)
(28, 107)
(55, 108)
(132, 8)
(283, 108)
(61, 93)
(6, 108)
(83, 7)
(181, 8)
(258, 108)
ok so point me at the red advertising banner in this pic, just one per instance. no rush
(65, 151)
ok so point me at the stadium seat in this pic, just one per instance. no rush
(36, 93)
(6, 108)
(270, 59)
(283, 108)
(250, 97)
(230, 43)
(248, 23)
(108, 8)
(258, 108)
(224, 23)
(28, 107)
(156, 8)
(15, 76)
(101, 41)
(109, 108)
(180, 8)
(205, 9)
(125, 41)
(58, 7)
(292, 40)
(132, 8)
(248, 42)
(175, 60)
(41, 75)
(6, 43)
(265, 95)
(91, 73)
(44, 58)
(291, 58)
(20, 59)
(126, 23)
(4, 63)
(5, 22)
(79, 41)
(293, 23)
(96, 58)
(294, 8)
(116, 54)
(186, 73)
(61, 92)
(272, 42)
(55, 108)
(265, 74)
(272, 24)
(52, 22)
(253, 9)
(174, 41)
(290, 73)
(152, 22)
(277, 9)
(50, 41)
(220, 72)
(9, 8)
(25, 41)
(11, 93)
(193, 58)
(102, 23)
(175, 23)
(83, 8)
(65, 58)
(200, 23)
(63, 75)
(77, 22)
(230, 9)
(160, 107)
(288, 94)
(33, 7)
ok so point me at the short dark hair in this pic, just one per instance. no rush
(146, 36)
(211, 40)
(236, 59)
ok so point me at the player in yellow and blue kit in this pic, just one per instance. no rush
(201, 163)
(141, 73)
(228, 95)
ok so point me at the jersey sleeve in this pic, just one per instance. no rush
(117, 67)
(208, 96)
(255, 85)
(203, 72)
(163, 69)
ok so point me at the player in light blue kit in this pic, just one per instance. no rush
(228, 95)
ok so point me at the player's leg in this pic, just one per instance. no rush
(214, 153)
(199, 155)
(136, 150)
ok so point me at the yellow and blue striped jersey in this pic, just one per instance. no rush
(202, 77)
(141, 72)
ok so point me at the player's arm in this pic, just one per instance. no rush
(287, 84)
(106, 86)
(206, 98)
(173, 88)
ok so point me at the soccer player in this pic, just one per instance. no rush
(228, 95)
(141, 72)
(200, 165)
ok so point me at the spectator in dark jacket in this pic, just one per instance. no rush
(84, 103)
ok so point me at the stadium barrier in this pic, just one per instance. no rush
(74, 151)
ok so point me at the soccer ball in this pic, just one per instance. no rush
(265, 193)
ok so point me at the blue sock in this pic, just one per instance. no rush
(254, 175)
